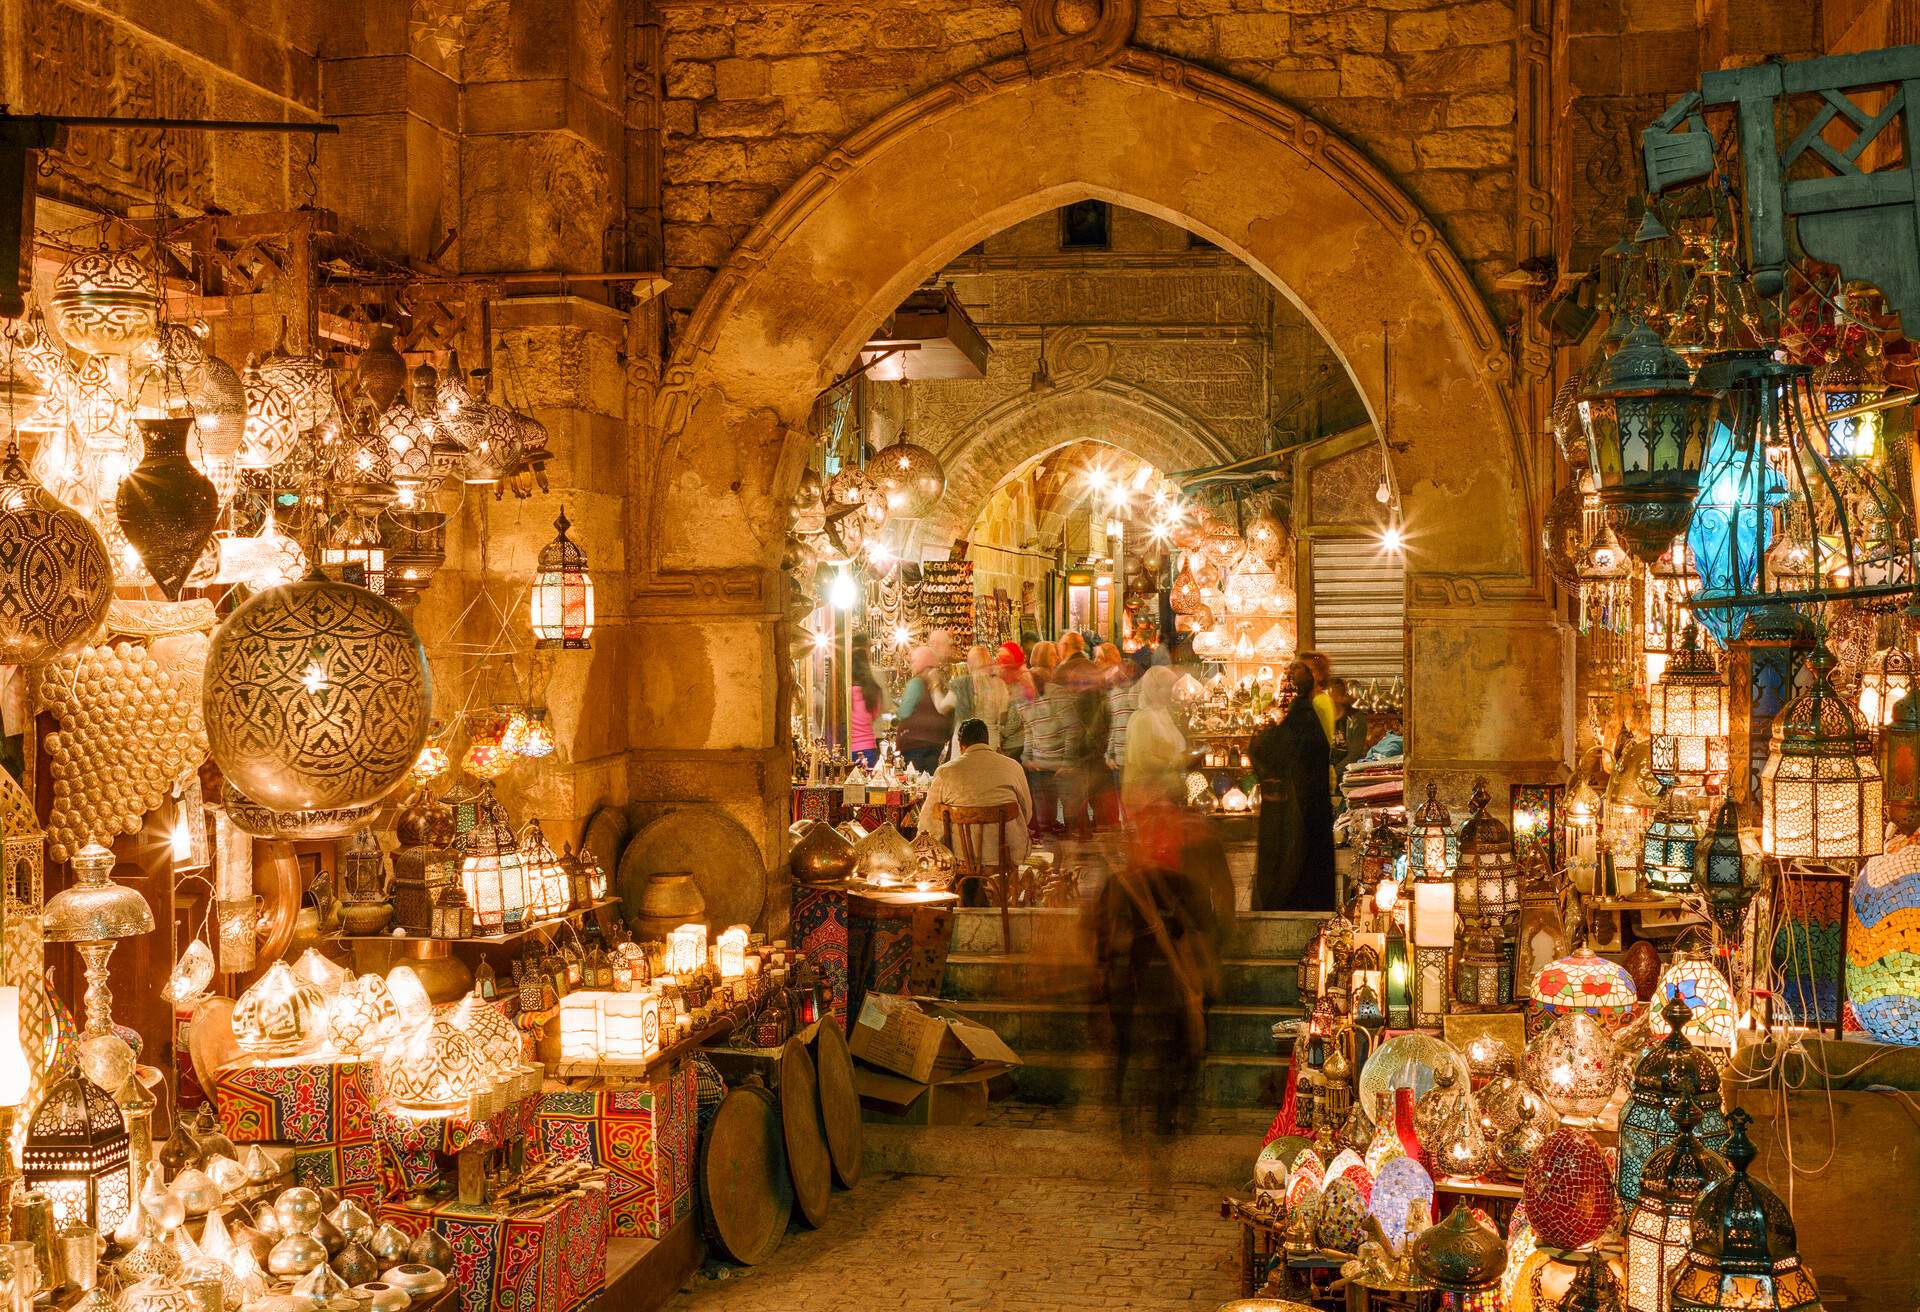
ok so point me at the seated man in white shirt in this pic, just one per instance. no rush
(980, 776)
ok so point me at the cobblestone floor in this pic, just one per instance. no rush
(903, 1243)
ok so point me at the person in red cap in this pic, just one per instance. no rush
(1010, 663)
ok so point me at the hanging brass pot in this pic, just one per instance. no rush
(167, 508)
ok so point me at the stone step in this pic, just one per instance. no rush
(986, 977)
(977, 931)
(1226, 1080)
(1223, 1161)
(1068, 1026)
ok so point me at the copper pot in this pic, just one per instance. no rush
(822, 856)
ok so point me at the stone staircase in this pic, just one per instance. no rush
(1035, 992)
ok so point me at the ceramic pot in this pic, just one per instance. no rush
(166, 507)
(670, 899)
(821, 856)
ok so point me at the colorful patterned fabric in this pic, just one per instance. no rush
(415, 1144)
(553, 1260)
(820, 923)
(644, 1136)
(358, 1170)
(303, 1102)
(828, 805)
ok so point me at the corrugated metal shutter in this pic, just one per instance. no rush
(1359, 607)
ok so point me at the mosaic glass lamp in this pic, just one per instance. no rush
(1568, 1193)
(1688, 704)
(1574, 1066)
(1696, 981)
(1883, 946)
(1660, 1223)
(1672, 1072)
(560, 604)
(1743, 1252)
(1668, 848)
(77, 1154)
(491, 870)
(1820, 789)
(1584, 981)
(1486, 881)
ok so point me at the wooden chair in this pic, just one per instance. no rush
(964, 830)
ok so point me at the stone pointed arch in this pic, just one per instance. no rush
(909, 192)
(1004, 438)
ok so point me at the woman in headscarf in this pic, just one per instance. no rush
(1014, 690)
(1154, 769)
(924, 719)
(1295, 868)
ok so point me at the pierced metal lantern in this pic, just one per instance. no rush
(1430, 839)
(1672, 1072)
(1689, 716)
(77, 1154)
(354, 553)
(1486, 881)
(1820, 791)
(105, 302)
(1669, 846)
(549, 890)
(1660, 1224)
(560, 606)
(1483, 974)
(491, 869)
(1887, 677)
(56, 579)
(452, 914)
(1898, 756)
(911, 477)
(1647, 426)
(1731, 869)
(1744, 1252)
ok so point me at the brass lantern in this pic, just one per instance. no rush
(1486, 881)
(354, 554)
(1647, 427)
(549, 891)
(1887, 678)
(1429, 840)
(491, 871)
(1899, 759)
(560, 607)
(1743, 1251)
(452, 913)
(1689, 716)
(1820, 791)
(77, 1154)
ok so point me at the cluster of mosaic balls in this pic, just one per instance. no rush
(130, 726)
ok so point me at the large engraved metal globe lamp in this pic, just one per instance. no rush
(317, 696)
(911, 477)
(56, 579)
(105, 302)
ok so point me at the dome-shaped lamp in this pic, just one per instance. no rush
(1743, 1252)
(1673, 1071)
(105, 302)
(1660, 1224)
(910, 476)
(560, 606)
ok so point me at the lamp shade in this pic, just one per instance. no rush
(1584, 981)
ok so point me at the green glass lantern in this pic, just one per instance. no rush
(1667, 850)
(1647, 426)
(1731, 867)
(1672, 1072)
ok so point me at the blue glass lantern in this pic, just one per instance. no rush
(1732, 525)
(1673, 1071)
(1667, 851)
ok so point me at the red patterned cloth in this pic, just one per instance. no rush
(1284, 1124)
(326, 1110)
(415, 1144)
(553, 1260)
(644, 1135)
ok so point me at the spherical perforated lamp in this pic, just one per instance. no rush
(911, 477)
(1820, 791)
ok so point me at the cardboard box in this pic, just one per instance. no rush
(895, 1100)
(923, 1041)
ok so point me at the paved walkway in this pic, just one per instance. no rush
(902, 1243)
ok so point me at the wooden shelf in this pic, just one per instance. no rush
(511, 936)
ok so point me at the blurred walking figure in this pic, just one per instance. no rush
(924, 718)
(1295, 868)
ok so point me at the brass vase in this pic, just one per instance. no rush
(670, 899)
(167, 508)
(821, 856)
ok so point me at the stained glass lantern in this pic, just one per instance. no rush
(1886, 678)
(452, 916)
(1430, 838)
(1660, 1223)
(1883, 946)
(1585, 981)
(1668, 848)
(77, 1154)
(1569, 1191)
(1401, 1185)
(1689, 716)
(1339, 1221)
(1696, 981)
(491, 870)
(1731, 868)
(560, 605)
(1486, 880)
(1847, 384)
(280, 1015)
(1647, 427)
(432, 1070)
(1899, 760)
(1820, 790)
(549, 890)
(354, 553)
(1743, 1252)
(1672, 1071)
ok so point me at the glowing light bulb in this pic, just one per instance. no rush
(314, 677)
(842, 592)
(1392, 539)
(1385, 895)
(182, 841)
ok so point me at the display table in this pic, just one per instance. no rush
(643, 1134)
(547, 1257)
(898, 806)
(863, 938)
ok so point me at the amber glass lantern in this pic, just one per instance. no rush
(1887, 678)
(1486, 881)
(76, 1153)
(549, 890)
(1689, 716)
(491, 870)
(560, 608)
(1899, 761)
(1820, 791)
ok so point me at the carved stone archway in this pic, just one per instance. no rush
(1005, 438)
(905, 195)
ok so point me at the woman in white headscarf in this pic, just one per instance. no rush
(1155, 768)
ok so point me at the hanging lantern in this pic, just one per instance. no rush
(269, 434)
(77, 1154)
(1898, 756)
(1267, 540)
(1184, 596)
(1573, 1066)
(1647, 427)
(1689, 716)
(304, 379)
(1673, 1071)
(167, 508)
(1743, 1252)
(1660, 1224)
(56, 580)
(1667, 851)
(549, 891)
(317, 696)
(1844, 385)
(105, 302)
(1487, 880)
(487, 756)
(354, 553)
(219, 411)
(1820, 790)
(362, 464)
(1887, 678)
(1731, 869)
(560, 606)
(1883, 946)
(491, 869)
